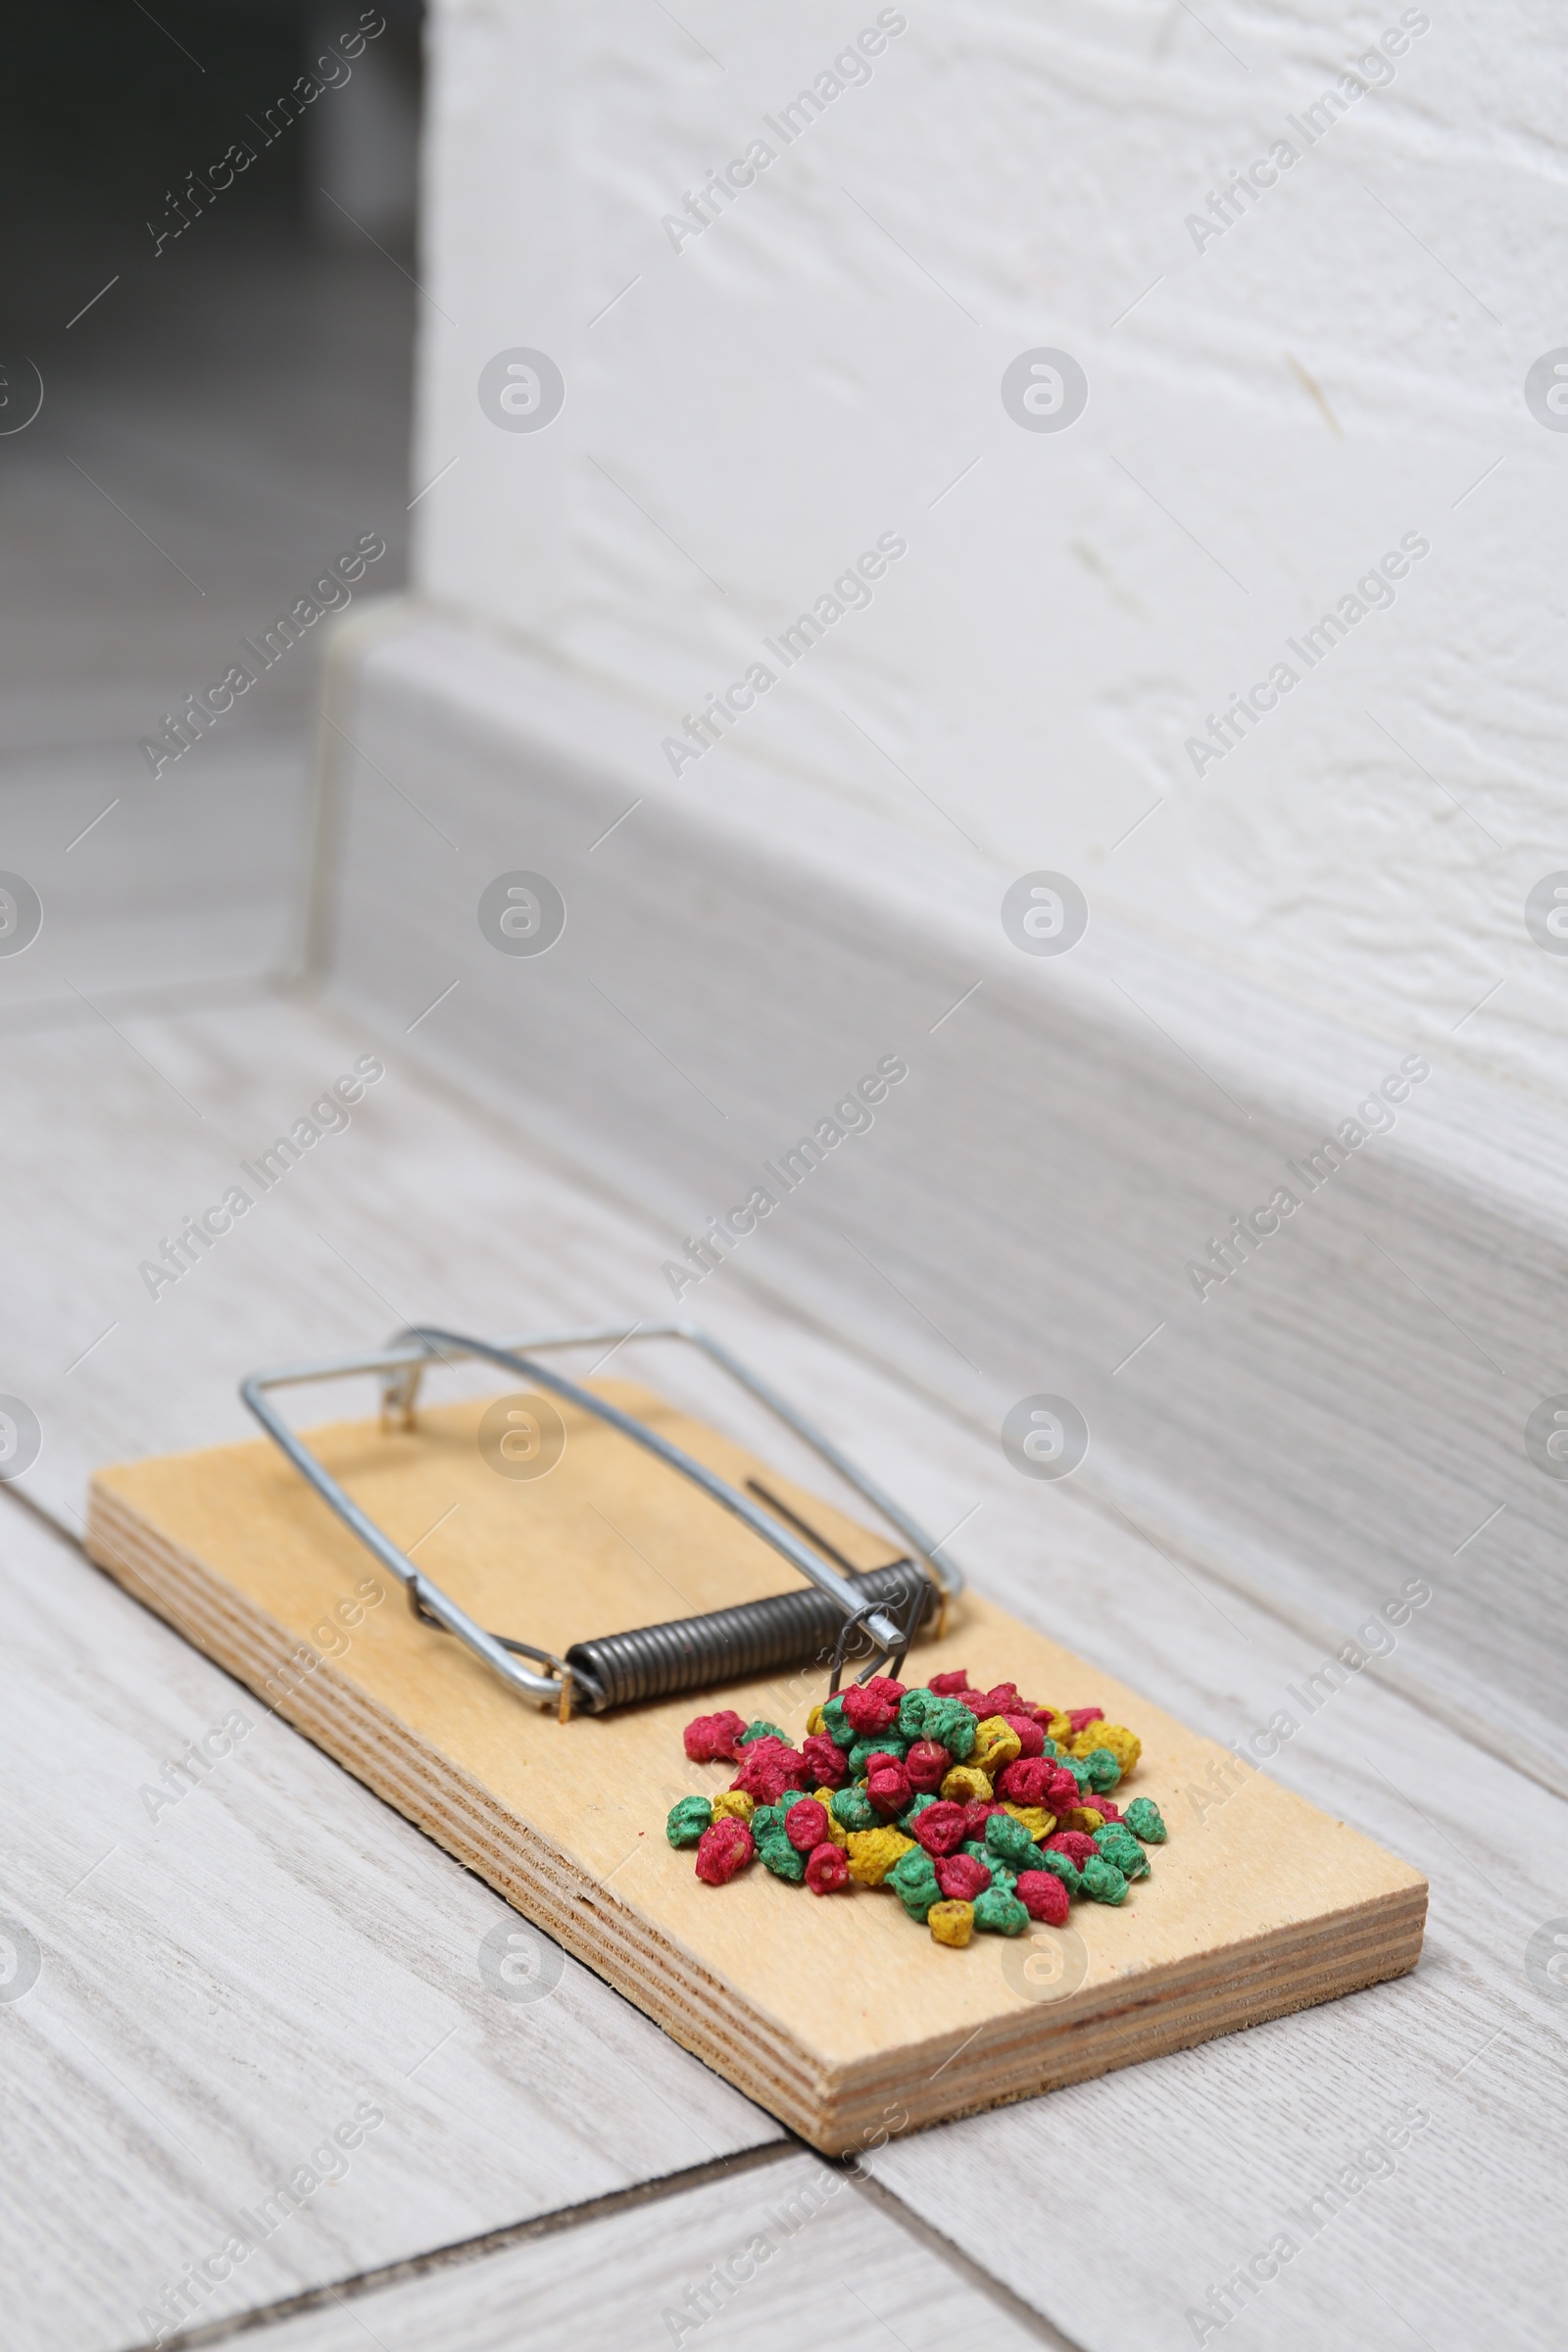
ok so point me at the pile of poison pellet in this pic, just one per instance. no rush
(976, 1808)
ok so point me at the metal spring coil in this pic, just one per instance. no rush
(690, 1653)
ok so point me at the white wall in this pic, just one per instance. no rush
(1269, 419)
(742, 418)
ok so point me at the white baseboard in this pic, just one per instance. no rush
(739, 952)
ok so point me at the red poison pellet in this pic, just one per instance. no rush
(974, 1807)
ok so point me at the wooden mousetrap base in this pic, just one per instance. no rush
(838, 2016)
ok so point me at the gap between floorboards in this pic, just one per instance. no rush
(463, 2251)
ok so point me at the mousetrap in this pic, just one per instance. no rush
(500, 1613)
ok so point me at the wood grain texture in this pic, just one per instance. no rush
(1346, 1411)
(1276, 1908)
(234, 1956)
(835, 2263)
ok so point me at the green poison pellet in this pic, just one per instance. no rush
(1063, 1866)
(914, 1709)
(1119, 1846)
(1102, 1881)
(688, 1820)
(1145, 1820)
(913, 1869)
(761, 1731)
(913, 1880)
(951, 1724)
(934, 1715)
(1103, 1769)
(782, 1858)
(1001, 1913)
(853, 1809)
(837, 1725)
(1010, 1839)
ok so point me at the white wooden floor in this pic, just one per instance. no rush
(222, 1986)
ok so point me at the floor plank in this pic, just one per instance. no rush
(235, 1961)
(836, 2262)
(1208, 2156)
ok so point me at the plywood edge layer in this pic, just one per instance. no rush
(995, 2069)
(1341, 1945)
(852, 2127)
(834, 2108)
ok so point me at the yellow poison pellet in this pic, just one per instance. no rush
(734, 1805)
(813, 1720)
(1125, 1746)
(996, 1743)
(873, 1853)
(967, 1783)
(950, 1923)
(1036, 1820)
(1060, 1729)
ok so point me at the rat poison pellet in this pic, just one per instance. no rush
(950, 1923)
(688, 1820)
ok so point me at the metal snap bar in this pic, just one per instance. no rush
(887, 1605)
